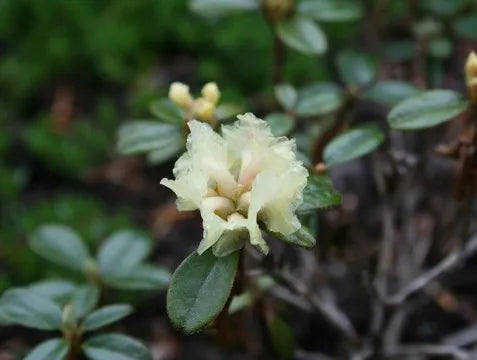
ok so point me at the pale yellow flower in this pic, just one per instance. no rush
(211, 92)
(471, 76)
(180, 94)
(237, 180)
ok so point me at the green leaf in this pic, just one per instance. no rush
(115, 347)
(465, 27)
(426, 110)
(302, 238)
(199, 289)
(442, 7)
(123, 251)
(56, 290)
(400, 50)
(53, 349)
(145, 136)
(286, 95)
(281, 336)
(319, 99)
(440, 48)
(167, 111)
(85, 299)
(331, 10)
(391, 92)
(143, 277)
(353, 144)
(214, 8)
(27, 308)
(167, 152)
(302, 35)
(356, 68)
(319, 193)
(280, 124)
(106, 315)
(226, 111)
(60, 245)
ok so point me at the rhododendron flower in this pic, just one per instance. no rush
(237, 180)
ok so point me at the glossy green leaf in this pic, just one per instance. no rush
(142, 277)
(426, 110)
(353, 144)
(286, 95)
(442, 7)
(199, 289)
(53, 349)
(214, 8)
(319, 193)
(27, 308)
(356, 68)
(115, 347)
(59, 244)
(281, 336)
(145, 136)
(85, 299)
(57, 290)
(319, 99)
(123, 251)
(331, 10)
(303, 35)
(391, 92)
(280, 124)
(466, 26)
(168, 151)
(302, 238)
(167, 111)
(106, 315)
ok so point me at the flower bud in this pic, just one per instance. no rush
(204, 109)
(211, 92)
(180, 94)
(68, 317)
(471, 76)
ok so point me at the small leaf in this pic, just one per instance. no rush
(281, 336)
(144, 136)
(165, 153)
(302, 35)
(53, 349)
(226, 111)
(352, 144)
(27, 308)
(400, 50)
(115, 347)
(426, 110)
(199, 289)
(214, 8)
(286, 96)
(167, 111)
(143, 277)
(440, 48)
(301, 238)
(391, 92)
(331, 10)
(106, 315)
(442, 7)
(356, 68)
(319, 99)
(280, 124)
(465, 27)
(61, 245)
(123, 251)
(57, 290)
(319, 193)
(85, 299)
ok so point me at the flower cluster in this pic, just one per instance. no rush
(201, 108)
(238, 180)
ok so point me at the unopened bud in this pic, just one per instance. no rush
(471, 76)
(91, 270)
(211, 92)
(204, 109)
(278, 9)
(180, 94)
(68, 317)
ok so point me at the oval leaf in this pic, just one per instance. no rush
(302, 238)
(213, 8)
(85, 299)
(280, 124)
(391, 92)
(122, 252)
(281, 336)
(302, 35)
(60, 245)
(331, 10)
(427, 110)
(286, 96)
(144, 136)
(106, 315)
(27, 308)
(54, 349)
(465, 27)
(199, 289)
(57, 290)
(319, 99)
(143, 277)
(115, 347)
(356, 68)
(167, 111)
(319, 193)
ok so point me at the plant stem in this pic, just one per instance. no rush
(278, 58)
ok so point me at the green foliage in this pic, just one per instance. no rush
(115, 347)
(331, 10)
(286, 95)
(53, 349)
(355, 68)
(303, 35)
(222, 7)
(301, 238)
(106, 315)
(319, 193)
(281, 124)
(199, 289)
(281, 336)
(319, 99)
(390, 92)
(84, 300)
